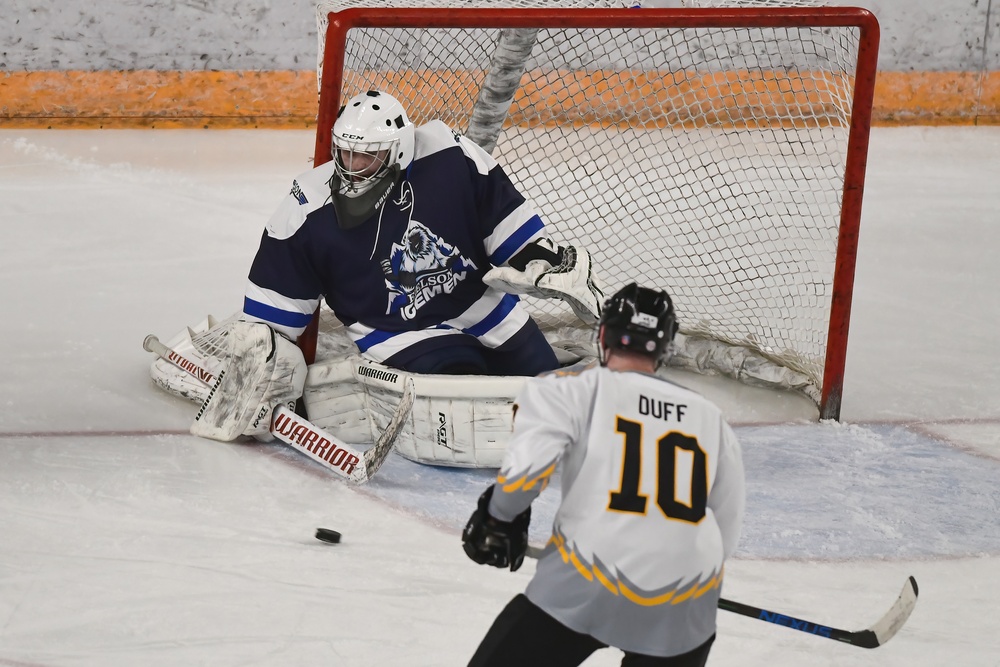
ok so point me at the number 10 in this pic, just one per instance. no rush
(681, 468)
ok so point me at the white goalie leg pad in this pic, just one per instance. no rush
(573, 280)
(262, 369)
(456, 420)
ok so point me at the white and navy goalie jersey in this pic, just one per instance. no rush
(408, 279)
(652, 504)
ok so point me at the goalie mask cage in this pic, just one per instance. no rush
(715, 152)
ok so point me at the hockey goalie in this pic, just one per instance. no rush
(420, 245)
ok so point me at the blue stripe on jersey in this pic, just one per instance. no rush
(518, 238)
(497, 316)
(374, 338)
(278, 316)
(377, 337)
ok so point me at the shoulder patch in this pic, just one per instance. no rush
(298, 194)
(307, 194)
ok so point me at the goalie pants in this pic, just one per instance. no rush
(527, 353)
(524, 635)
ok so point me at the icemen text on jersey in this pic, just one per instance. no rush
(451, 217)
(652, 504)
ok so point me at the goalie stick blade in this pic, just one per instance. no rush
(375, 457)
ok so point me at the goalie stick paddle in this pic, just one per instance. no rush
(316, 443)
(873, 636)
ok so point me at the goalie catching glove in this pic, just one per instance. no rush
(489, 541)
(263, 369)
(545, 270)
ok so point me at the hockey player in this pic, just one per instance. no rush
(652, 503)
(418, 241)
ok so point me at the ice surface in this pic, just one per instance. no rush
(125, 541)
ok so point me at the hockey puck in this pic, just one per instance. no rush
(326, 535)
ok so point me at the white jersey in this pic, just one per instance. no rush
(653, 495)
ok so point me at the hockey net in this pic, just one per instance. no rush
(714, 149)
(717, 152)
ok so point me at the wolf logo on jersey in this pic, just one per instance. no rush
(421, 266)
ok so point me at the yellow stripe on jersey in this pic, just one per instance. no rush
(604, 581)
(569, 371)
(580, 567)
(686, 595)
(709, 585)
(561, 546)
(632, 596)
(617, 587)
(527, 483)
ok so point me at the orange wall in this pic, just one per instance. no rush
(937, 98)
(276, 99)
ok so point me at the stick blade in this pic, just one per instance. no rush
(886, 627)
(376, 455)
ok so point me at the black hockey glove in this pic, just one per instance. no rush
(489, 541)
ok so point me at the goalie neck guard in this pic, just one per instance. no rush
(373, 142)
(639, 320)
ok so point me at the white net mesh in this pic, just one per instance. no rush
(706, 161)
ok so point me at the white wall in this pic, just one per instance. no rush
(158, 34)
(38, 35)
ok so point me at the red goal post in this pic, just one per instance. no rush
(718, 153)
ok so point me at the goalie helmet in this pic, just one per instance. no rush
(638, 319)
(373, 142)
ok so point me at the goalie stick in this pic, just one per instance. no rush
(873, 636)
(341, 457)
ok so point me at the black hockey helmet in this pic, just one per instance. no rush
(638, 319)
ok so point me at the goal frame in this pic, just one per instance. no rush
(340, 23)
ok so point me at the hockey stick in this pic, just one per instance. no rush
(316, 443)
(873, 636)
